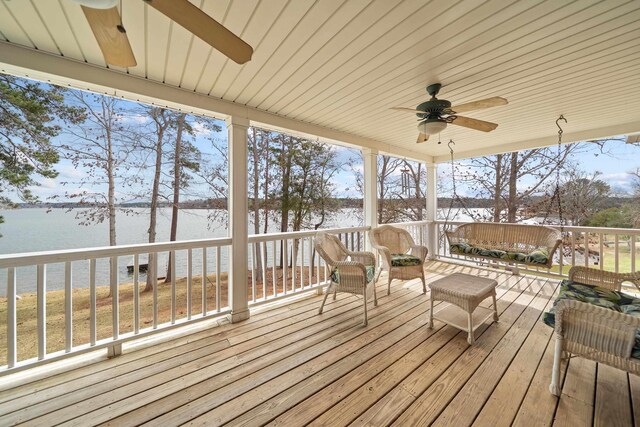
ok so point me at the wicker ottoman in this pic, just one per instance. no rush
(466, 292)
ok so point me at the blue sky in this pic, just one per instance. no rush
(614, 165)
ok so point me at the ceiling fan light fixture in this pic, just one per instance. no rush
(432, 126)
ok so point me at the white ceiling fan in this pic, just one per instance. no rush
(106, 23)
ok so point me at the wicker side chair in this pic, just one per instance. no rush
(351, 272)
(597, 333)
(401, 257)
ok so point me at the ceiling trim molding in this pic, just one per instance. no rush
(39, 65)
(567, 138)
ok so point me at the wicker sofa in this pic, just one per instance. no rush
(510, 243)
(593, 319)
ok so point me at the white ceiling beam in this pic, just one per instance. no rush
(39, 65)
(586, 135)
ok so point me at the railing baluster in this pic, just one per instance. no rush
(42, 309)
(172, 263)
(254, 252)
(218, 280)
(113, 279)
(586, 249)
(294, 264)
(68, 307)
(136, 294)
(601, 260)
(573, 249)
(274, 260)
(189, 283)
(633, 253)
(617, 251)
(154, 276)
(12, 324)
(92, 297)
(318, 262)
(310, 240)
(285, 264)
(264, 270)
(301, 246)
(203, 282)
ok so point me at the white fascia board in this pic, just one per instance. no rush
(38, 65)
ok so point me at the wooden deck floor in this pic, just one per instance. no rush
(289, 366)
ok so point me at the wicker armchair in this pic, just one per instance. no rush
(351, 272)
(393, 244)
(596, 333)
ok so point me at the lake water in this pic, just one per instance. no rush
(34, 230)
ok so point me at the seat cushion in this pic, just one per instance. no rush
(371, 271)
(539, 256)
(602, 297)
(404, 260)
(467, 249)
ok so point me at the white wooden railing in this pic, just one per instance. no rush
(280, 264)
(189, 258)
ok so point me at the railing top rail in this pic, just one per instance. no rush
(401, 224)
(55, 256)
(604, 230)
(300, 234)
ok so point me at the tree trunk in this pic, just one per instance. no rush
(177, 178)
(497, 188)
(512, 208)
(286, 178)
(111, 203)
(152, 267)
(256, 206)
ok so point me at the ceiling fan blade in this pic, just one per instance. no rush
(474, 124)
(478, 105)
(205, 27)
(422, 138)
(114, 44)
(633, 139)
(408, 110)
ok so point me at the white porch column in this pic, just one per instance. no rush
(432, 207)
(370, 176)
(238, 214)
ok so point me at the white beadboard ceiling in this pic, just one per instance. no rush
(342, 64)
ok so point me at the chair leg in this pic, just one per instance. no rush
(375, 297)
(378, 274)
(554, 387)
(424, 284)
(430, 312)
(324, 300)
(495, 308)
(335, 294)
(364, 301)
(389, 284)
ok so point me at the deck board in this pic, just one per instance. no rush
(290, 366)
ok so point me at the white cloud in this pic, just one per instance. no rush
(200, 129)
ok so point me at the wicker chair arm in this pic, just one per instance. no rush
(353, 275)
(419, 251)
(597, 328)
(384, 251)
(452, 236)
(596, 277)
(366, 258)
